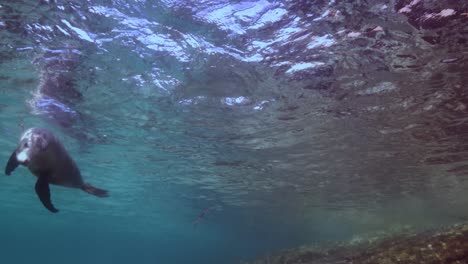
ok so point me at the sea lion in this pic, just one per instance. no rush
(45, 156)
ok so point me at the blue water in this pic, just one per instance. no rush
(229, 130)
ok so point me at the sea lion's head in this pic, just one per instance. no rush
(31, 144)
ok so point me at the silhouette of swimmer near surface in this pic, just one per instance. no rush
(201, 216)
(45, 156)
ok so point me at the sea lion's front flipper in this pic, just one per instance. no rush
(11, 164)
(43, 191)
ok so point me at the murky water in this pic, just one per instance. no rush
(227, 130)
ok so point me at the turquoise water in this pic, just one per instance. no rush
(215, 145)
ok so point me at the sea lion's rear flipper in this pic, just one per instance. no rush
(43, 191)
(11, 164)
(94, 191)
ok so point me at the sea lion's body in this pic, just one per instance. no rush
(47, 159)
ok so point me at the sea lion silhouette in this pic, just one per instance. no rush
(45, 156)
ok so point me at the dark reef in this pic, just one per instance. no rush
(448, 245)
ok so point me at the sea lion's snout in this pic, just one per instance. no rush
(23, 157)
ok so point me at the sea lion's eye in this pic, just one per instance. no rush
(26, 145)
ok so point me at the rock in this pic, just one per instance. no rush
(449, 245)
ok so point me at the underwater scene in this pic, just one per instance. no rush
(234, 131)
